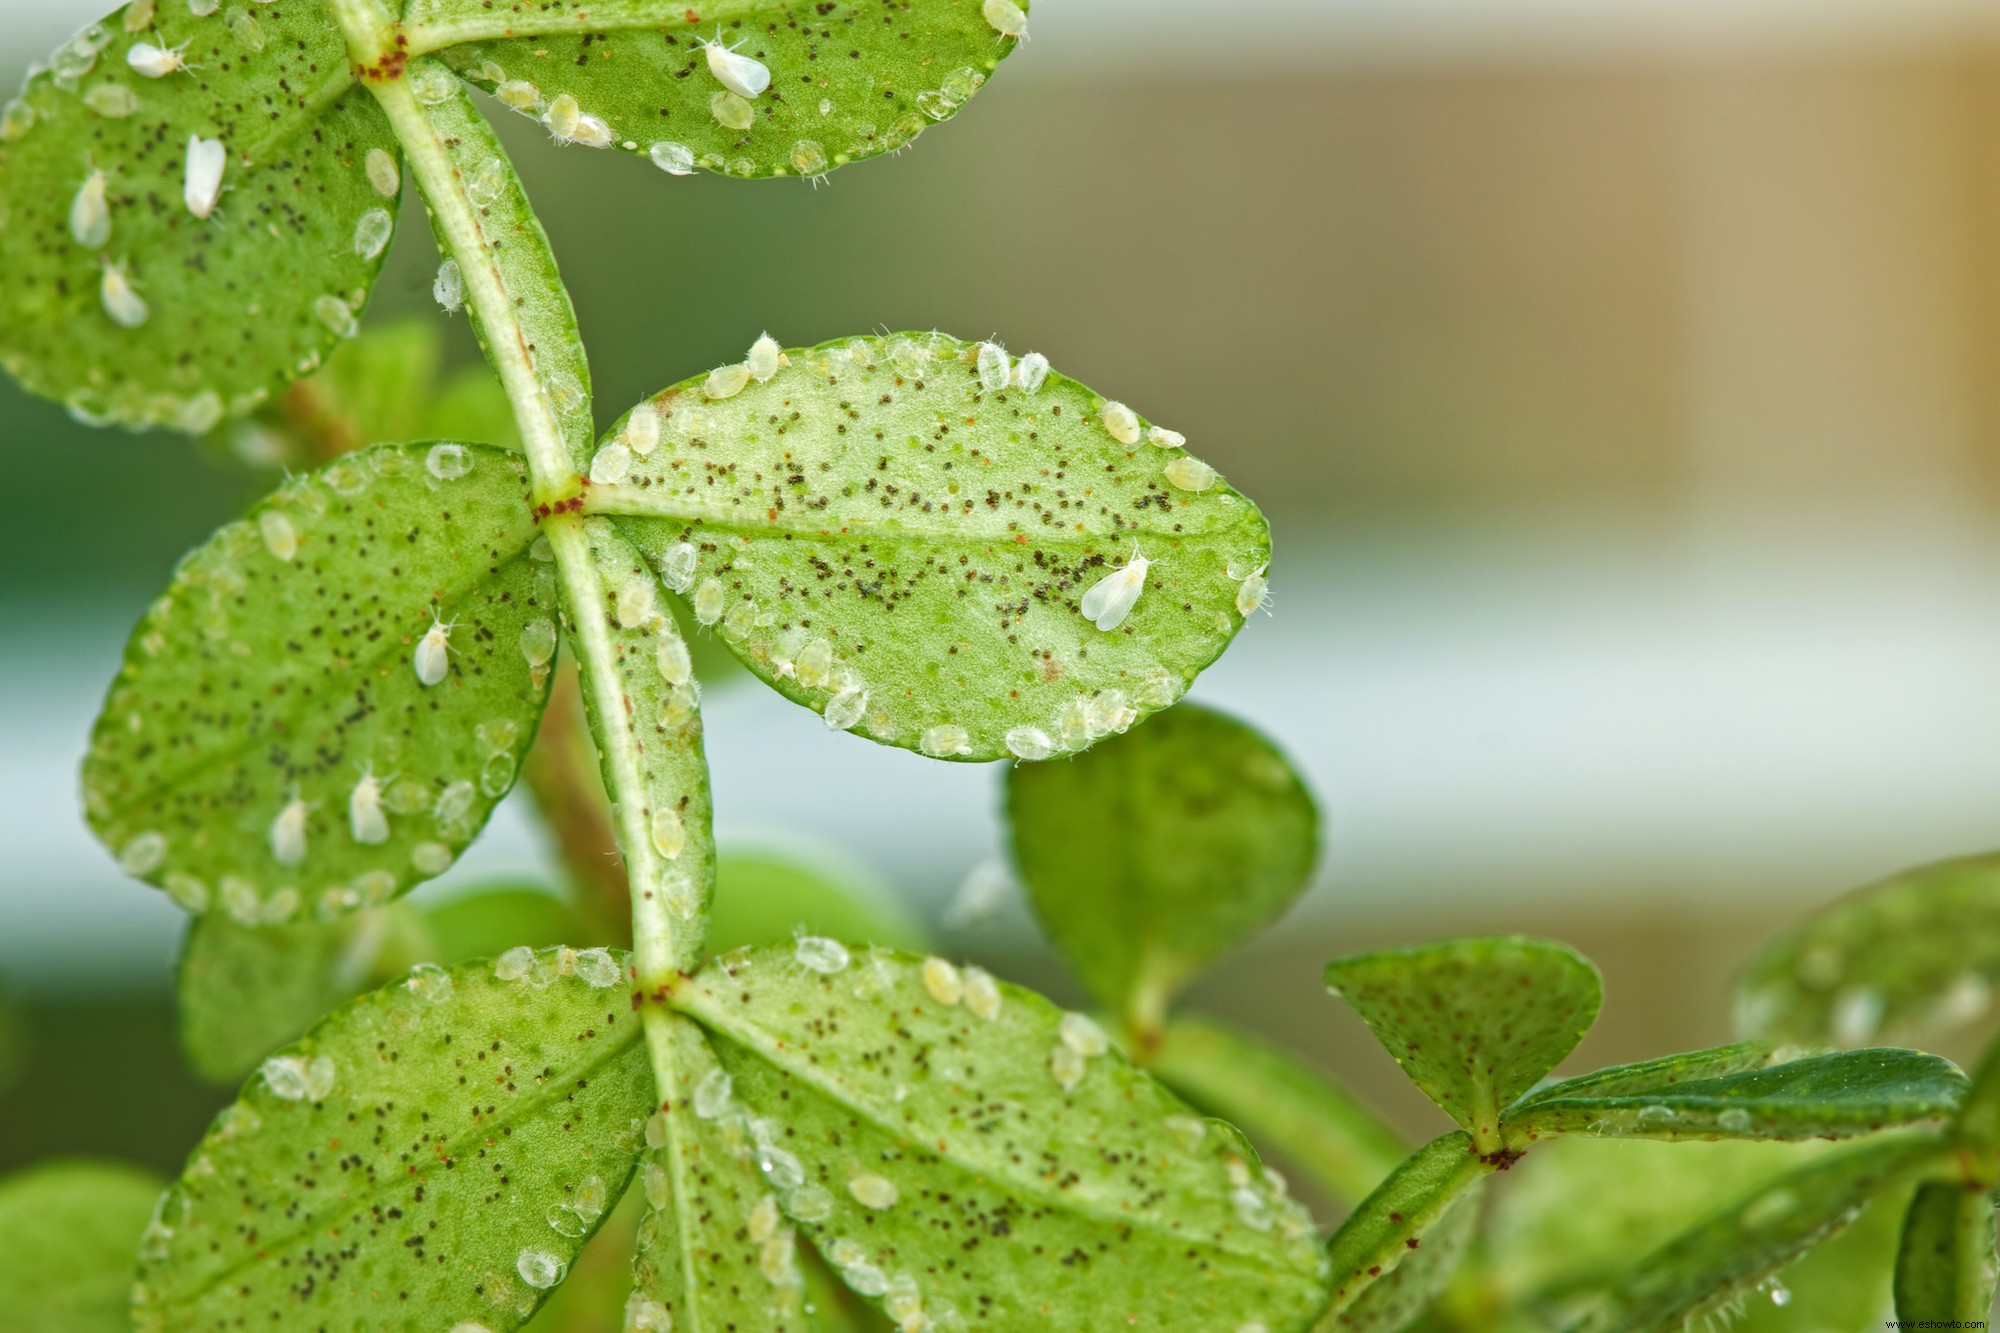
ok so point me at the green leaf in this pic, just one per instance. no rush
(436, 1151)
(230, 307)
(1902, 959)
(491, 921)
(275, 679)
(1473, 1022)
(1160, 851)
(1280, 1102)
(1829, 1096)
(1398, 1297)
(1393, 1222)
(887, 544)
(68, 1230)
(968, 1146)
(715, 1250)
(1945, 1265)
(766, 895)
(1721, 1260)
(848, 80)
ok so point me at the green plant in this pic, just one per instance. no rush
(922, 540)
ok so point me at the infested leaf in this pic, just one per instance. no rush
(68, 1230)
(1473, 1022)
(1945, 1263)
(1159, 851)
(846, 81)
(766, 895)
(435, 1152)
(1910, 956)
(1400, 1296)
(904, 552)
(269, 748)
(970, 1149)
(1831, 1096)
(207, 316)
(1391, 1226)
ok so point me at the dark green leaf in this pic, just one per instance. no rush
(850, 81)
(906, 554)
(1944, 1267)
(1899, 960)
(1160, 851)
(1392, 1224)
(1281, 1103)
(765, 895)
(220, 311)
(1666, 1071)
(434, 1152)
(1828, 1096)
(274, 685)
(69, 1231)
(970, 1147)
(1473, 1022)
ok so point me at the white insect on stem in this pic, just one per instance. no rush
(364, 809)
(156, 62)
(206, 159)
(1112, 597)
(433, 650)
(739, 74)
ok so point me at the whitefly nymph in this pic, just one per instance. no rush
(1112, 597)
(432, 657)
(741, 75)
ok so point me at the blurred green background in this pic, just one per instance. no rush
(1619, 379)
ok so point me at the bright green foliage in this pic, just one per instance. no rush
(68, 1230)
(765, 895)
(279, 668)
(1392, 1223)
(984, 1152)
(1281, 1102)
(1728, 1256)
(1396, 1298)
(1473, 1022)
(490, 922)
(434, 1152)
(1916, 953)
(649, 734)
(885, 542)
(1830, 1096)
(1159, 851)
(1945, 1264)
(231, 307)
(848, 80)
(715, 1251)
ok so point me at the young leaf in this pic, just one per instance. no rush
(1159, 851)
(270, 748)
(847, 81)
(1944, 1266)
(1397, 1298)
(968, 1147)
(1724, 1258)
(1473, 1022)
(68, 1230)
(1831, 1096)
(765, 895)
(904, 552)
(715, 1250)
(435, 1152)
(136, 292)
(1644, 1076)
(1913, 954)
(1281, 1103)
(1393, 1223)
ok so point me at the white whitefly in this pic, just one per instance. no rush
(201, 184)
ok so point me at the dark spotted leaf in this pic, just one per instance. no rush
(120, 299)
(269, 747)
(1473, 1022)
(802, 91)
(905, 552)
(1945, 1263)
(1418, 1204)
(1158, 852)
(435, 1152)
(69, 1230)
(952, 1145)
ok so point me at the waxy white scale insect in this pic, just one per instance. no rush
(288, 833)
(364, 810)
(1112, 597)
(642, 430)
(994, 370)
(726, 381)
(449, 286)
(1120, 421)
(1031, 371)
(156, 62)
(202, 185)
(125, 306)
(433, 650)
(383, 173)
(763, 359)
(1253, 592)
(676, 159)
(90, 213)
(739, 74)
(1006, 18)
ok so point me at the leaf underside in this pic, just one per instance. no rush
(848, 81)
(1157, 852)
(279, 666)
(1945, 1262)
(239, 303)
(1392, 1301)
(463, 1138)
(875, 535)
(932, 1155)
(68, 1230)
